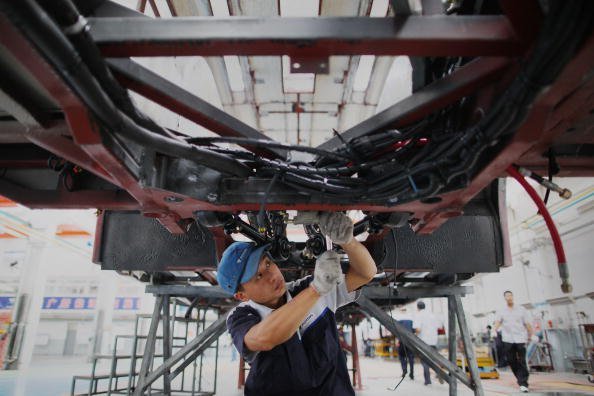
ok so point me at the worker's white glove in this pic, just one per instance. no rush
(335, 225)
(327, 273)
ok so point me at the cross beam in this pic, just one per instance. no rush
(477, 35)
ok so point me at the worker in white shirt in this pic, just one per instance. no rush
(426, 325)
(515, 331)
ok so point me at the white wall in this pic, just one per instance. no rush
(533, 277)
(70, 273)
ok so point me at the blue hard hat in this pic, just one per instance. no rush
(239, 264)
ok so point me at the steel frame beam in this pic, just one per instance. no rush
(189, 352)
(62, 199)
(307, 37)
(154, 87)
(426, 100)
(188, 291)
(414, 292)
(82, 128)
(444, 368)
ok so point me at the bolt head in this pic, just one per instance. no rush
(565, 194)
(212, 197)
(173, 199)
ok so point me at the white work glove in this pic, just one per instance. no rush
(327, 273)
(335, 225)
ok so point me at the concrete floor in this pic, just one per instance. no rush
(53, 377)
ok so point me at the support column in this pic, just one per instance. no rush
(452, 342)
(468, 348)
(356, 367)
(28, 306)
(104, 309)
(149, 348)
(241, 377)
(167, 343)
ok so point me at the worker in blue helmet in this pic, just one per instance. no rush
(287, 331)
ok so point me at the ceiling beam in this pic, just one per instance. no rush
(410, 35)
(427, 100)
(169, 95)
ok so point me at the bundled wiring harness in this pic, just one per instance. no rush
(437, 154)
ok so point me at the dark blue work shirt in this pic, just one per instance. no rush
(310, 362)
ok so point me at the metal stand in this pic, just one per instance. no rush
(177, 353)
(355, 355)
(175, 363)
(445, 368)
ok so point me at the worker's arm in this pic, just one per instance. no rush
(497, 325)
(498, 321)
(529, 329)
(339, 227)
(362, 268)
(282, 323)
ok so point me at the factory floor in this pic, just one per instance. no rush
(53, 377)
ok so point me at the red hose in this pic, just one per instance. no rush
(561, 260)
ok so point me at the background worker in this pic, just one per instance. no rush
(426, 326)
(287, 332)
(515, 332)
(405, 354)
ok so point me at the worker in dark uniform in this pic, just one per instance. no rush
(287, 331)
(405, 354)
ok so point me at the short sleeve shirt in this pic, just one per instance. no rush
(513, 324)
(428, 324)
(310, 362)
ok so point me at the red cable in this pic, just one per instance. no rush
(542, 209)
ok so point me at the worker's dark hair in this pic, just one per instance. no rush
(420, 305)
(508, 291)
(489, 327)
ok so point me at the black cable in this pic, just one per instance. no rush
(28, 17)
(66, 14)
(436, 166)
(261, 213)
(404, 348)
(265, 143)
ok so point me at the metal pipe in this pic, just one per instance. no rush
(563, 192)
(557, 243)
(431, 357)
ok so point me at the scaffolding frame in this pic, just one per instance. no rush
(446, 369)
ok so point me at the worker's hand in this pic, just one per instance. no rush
(327, 273)
(336, 225)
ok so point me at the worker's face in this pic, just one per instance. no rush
(266, 287)
(509, 298)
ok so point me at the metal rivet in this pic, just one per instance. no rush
(173, 198)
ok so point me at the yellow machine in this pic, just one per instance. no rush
(486, 364)
(385, 347)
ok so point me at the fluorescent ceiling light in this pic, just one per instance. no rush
(219, 8)
(363, 74)
(301, 8)
(296, 82)
(379, 8)
(234, 73)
